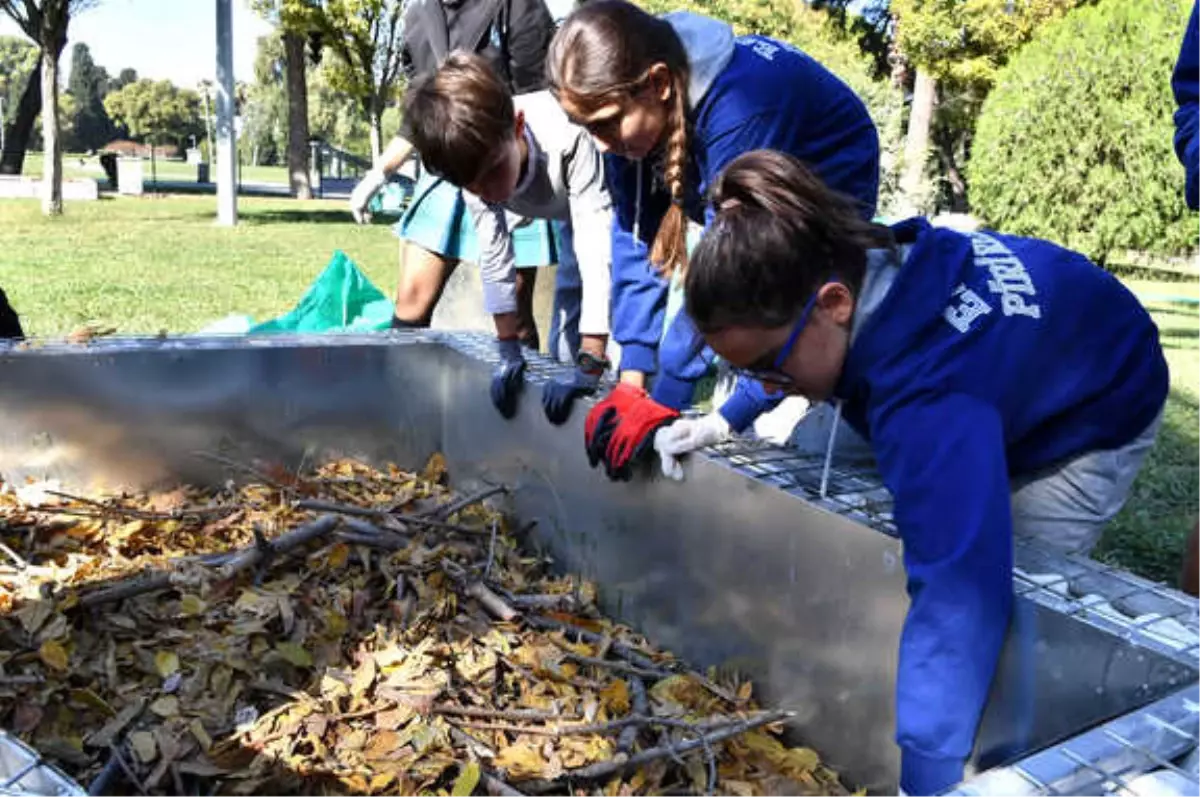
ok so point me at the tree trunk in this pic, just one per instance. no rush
(916, 145)
(52, 203)
(297, 94)
(17, 132)
(375, 113)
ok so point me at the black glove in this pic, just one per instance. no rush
(509, 378)
(558, 397)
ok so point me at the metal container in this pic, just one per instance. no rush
(741, 565)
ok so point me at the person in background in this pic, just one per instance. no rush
(672, 99)
(1185, 83)
(10, 322)
(436, 229)
(1007, 386)
(519, 155)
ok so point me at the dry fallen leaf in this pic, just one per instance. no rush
(166, 662)
(53, 655)
(338, 669)
(144, 746)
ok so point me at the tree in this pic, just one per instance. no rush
(296, 22)
(264, 136)
(87, 86)
(22, 97)
(364, 37)
(157, 111)
(123, 79)
(18, 62)
(1075, 142)
(46, 21)
(955, 49)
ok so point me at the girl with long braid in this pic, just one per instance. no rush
(672, 100)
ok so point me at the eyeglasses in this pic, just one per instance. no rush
(769, 373)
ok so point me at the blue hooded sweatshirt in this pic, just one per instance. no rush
(989, 357)
(744, 94)
(1184, 82)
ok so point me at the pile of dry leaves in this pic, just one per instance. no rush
(348, 631)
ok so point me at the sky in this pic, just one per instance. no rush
(162, 39)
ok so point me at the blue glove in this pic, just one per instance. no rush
(558, 397)
(509, 378)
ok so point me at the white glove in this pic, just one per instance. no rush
(687, 435)
(364, 192)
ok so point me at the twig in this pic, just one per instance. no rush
(516, 714)
(639, 704)
(492, 602)
(617, 666)
(443, 512)
(370, 529)
(563, 601)
(621, 762)
(137, 514)
(495, 785)
(129, 589)
(602, 728)
(249, 557)
(370, 540)
(242, 559)
(498, 787)
(16, 558)
(379, 514)
(477, 748)
(581, 634)
(20, 680)
(487, 571)
(128, 770)
(244, 468)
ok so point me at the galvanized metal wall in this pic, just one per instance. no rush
(737, 566)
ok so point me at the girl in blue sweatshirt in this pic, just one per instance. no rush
(672, 100)
(1007, 386)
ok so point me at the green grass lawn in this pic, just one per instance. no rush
(76, 165)
(145, 264)
(148, 264)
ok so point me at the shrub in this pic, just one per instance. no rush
(1075, 142)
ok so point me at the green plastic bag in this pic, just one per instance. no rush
(341, 299)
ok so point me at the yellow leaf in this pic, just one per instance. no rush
(745, 691)
(166, 662)
(53, 655)
(294, 654)
(144, 746)
(364, 678)
(615, 697)
(338, 556)
(520, 760)
(166, 706)
(435, 468)
(467, 780)
(382, 781)
(89, 699)
(191, 605)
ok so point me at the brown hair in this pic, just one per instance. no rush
(601, 54)
(779, 234)
(458, 117)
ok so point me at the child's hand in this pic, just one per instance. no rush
(685, 436)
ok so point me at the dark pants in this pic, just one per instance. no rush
(10, 323)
